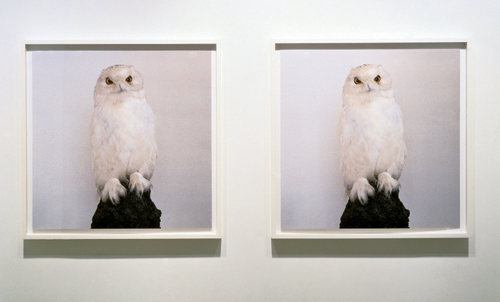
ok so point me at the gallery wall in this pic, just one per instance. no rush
(246, 265)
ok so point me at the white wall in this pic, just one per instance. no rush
(246, 265)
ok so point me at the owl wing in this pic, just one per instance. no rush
(393, 153)
(144, 153)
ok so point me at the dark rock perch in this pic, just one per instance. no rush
(380, 212)
(132, 212)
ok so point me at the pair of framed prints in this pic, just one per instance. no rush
(182, 85)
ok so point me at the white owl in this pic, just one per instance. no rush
(372, 146)
(122, 130)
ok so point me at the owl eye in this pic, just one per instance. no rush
(377, 79)
(357, 81)
(129, 79)
(108, 81)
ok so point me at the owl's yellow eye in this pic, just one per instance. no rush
(377, 79)
(129, 79)
(108, 81)
(357, 81)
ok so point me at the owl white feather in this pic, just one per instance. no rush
(372, 146)
(122, 130)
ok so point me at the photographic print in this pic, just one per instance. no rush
(361, 124)
(111, 124)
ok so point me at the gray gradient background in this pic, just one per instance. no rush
(426, 84)
(178, 88)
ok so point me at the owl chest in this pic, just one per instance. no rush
(375, 126)
(123, 125)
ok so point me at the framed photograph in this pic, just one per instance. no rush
(311, 192)
(181, 85)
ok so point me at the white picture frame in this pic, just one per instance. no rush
(302, 71)
(203, 57)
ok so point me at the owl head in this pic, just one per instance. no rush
(118, 81)
(367, 81)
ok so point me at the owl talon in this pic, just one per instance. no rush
(387, 183)
(361, 189)
(112, 190)
(138, 183)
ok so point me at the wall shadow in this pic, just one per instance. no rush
(122, 248)
(371, 248)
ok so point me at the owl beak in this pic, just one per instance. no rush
(121, 88)
(369, 88)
